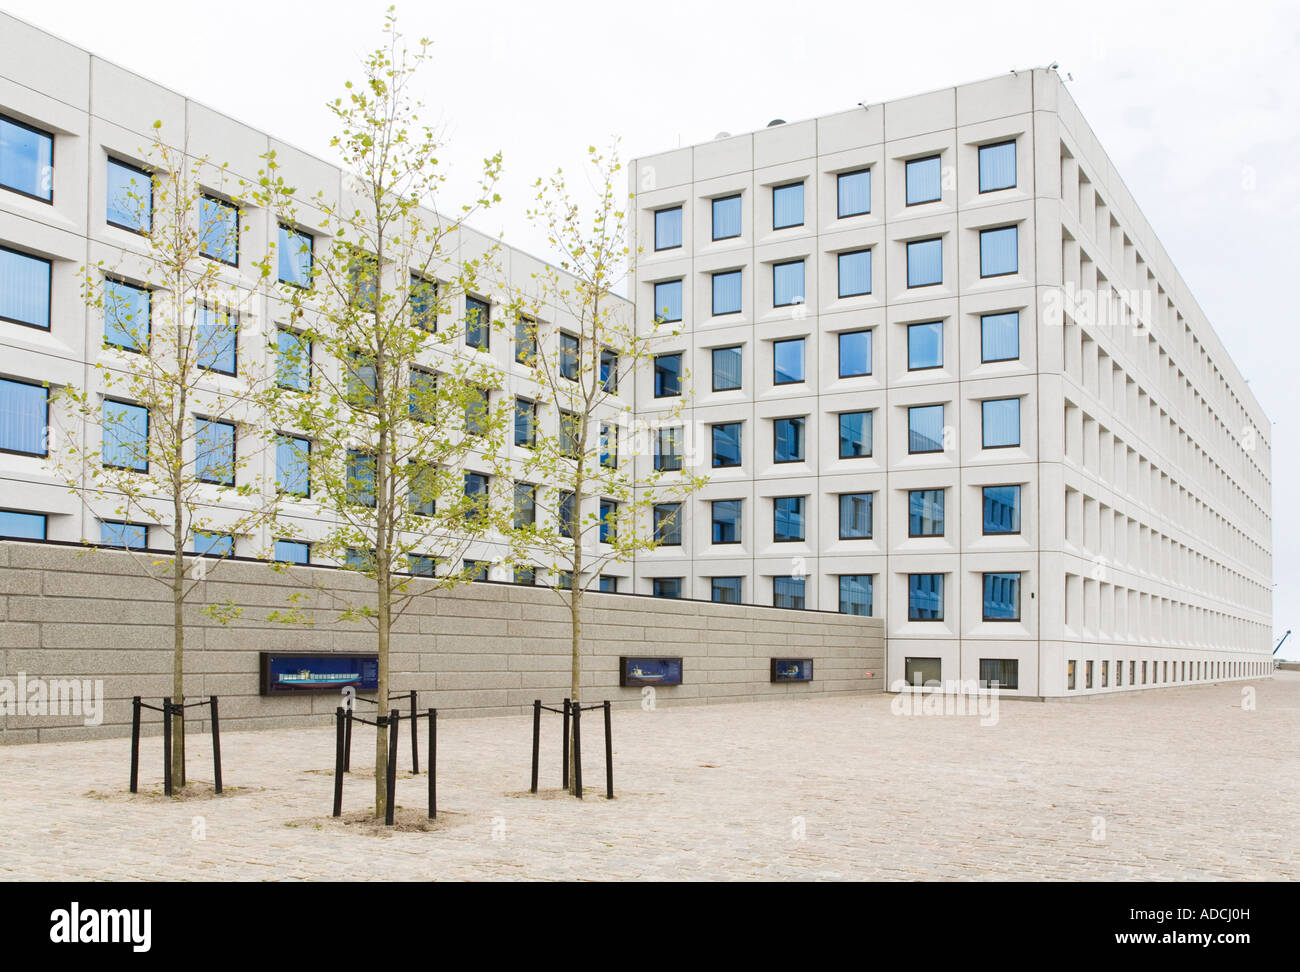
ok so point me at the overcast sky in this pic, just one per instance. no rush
(1197, 104)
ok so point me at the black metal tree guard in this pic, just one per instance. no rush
(343, 719)
(571, 709)
(413, 696)
(168, 709)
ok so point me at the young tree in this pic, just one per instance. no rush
(165, 436)
(393, 438)
(602, 505)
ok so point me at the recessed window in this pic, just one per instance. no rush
(725, 590)
(26, 159)
(422, 488)
(855, 353)
(999, 251)
(924, 263)
(609, 370)
(925, 346)
(855, 435)
(998, 166)
(787, 283)
(608, 521)
(24, 289)
(668, 228)
(525, 422)
(130, 197)
(570, 434)
(477, 497)
(219, 230)
(525, 576)
(295, 256)
(670, 587)
(925, 513)
(924, 180)
(609, 445)
(668, 375)
(525, 340)
(854, 273)
(853, 193)
(214, 451)
(566, 513)
(788, 519)
(855, 594)
(525, 505)
(726, 218)
(1001, 510)
(216, 335)
(359, 380)
(788, 361)
(925, 597)
(475, 570)
(668, 301)
(726, 444)
(292, 465)
(360, 472)
(787, 206)
(362, 280)
(923, 672)
(1000, 336)
(668, 524)
(726, 521)
(22, 526)
(126, 436)
(668, 449)
(423, 297)
(608, 584)
(925, 428)
(788, 592)
(727, 292)
(213, 544)
(568, 356)
(478, 323)
(1002, 597)
(130, 536)
(726, 368)
(293, 360)
(126, 315)
(477, 405)
(788, 439)
(1001, 423)
(855, 516)
(421, 565)
(1000, 673)
(422, 405)
(292, 552)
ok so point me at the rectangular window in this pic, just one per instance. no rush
(293, 360)
(924, 180)
(727, 292)
(478, 323)
(726, 521)
(525, 576)
(292, 465)
(26, 159)
(359, 380)
(525, 340)
(476, 492)
(476, 411)
(24, 289)
(787, 438)
(421, 565)
(608, 584)
(855, 435)
(925, 597)
(998, 166)
(1087, 673)
(787, 283)
(360, 478)
(422, 396)
(1000, 336)
(570, 434)
(925, 346)
(566, 513)
(788, 519)
(358, 559)
(292, 552)
(853, 193)
(726, 444)
(1105, 673)
(787, 206)
(422, 488)
(126, 436)
(788, 592)
(1001, 422)
(525, 423)
(668, 375)
(295, 256)
(923, 672)
(423, 298)
(609, 370)
(1002, 597)
(133, 536)
(216, 335)
(925, 263)
(668, 228)
(568, 356)
(925, 513)
(130, 197)
(22, 526)
(609, 445)
(1001, 509)
(999, 673)
(788, 361)
(726, 218)
(855, 594)
(608, 521)
(668, 301)
(999, 251)
(1069, 675)
(668, 449)
(855, 353)
(214, 452)
(725, 590)
(525, 505)
(854, 273)
(126, 315)
(219, 230)
(475, 570)
(855, 516)
(667, 587)
(668, 524)
(363, 280)
(925, 428)
(213, 544)
(726, 368)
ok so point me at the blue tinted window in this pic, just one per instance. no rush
(925, 597)
(130, 197)
(725, 590)
(360, 478)
(787, 206)
(726, 444)
(788, 438)
(24, 289)
(476, 490)
(478, 323)
(126, 315)
(608, 584)
(609, 370)
(608, 521)
(726, 521)
(525, 422)
(1000, 336)
(925, 513)
(1001, 509)
(214, 451)
(477, 408)
(853, 191)
(213, 544)
(925, 428)
(726, 369)
(293, 360)
(292, 465)
(788, 592)
(126, 436)
(855, 435)
(565, 512)
(295, 257)
(925, 345)
(526, 506)
(668, 524)
(726, 217)
(999, 251)
(924, 263)
(218, 230)
(727, 292)
(788, 361)
(424, 303)
(855, 594)
(855, 273)
(1002, 597)
(787, 519)
(24, 417)
(22, 526)
(997, 166)
(924, 180)
(787, 283)
(668, 301)
(667, 587)
(668, 375)
(609, 445)
(217, 335)
(1001, 423)
(422, 565)
(855, 516)
(292, 552)
(132, 535)
(568, 357)
(668, 449)
(668, 228)
(855, 353)
(26, 159)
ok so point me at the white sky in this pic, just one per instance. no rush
(1198, 105)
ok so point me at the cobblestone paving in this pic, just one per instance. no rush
(1180, 783)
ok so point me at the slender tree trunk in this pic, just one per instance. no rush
(178, 642)
(381, 734)
(575, 619)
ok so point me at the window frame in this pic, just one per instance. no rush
(657, 308)
(113, 160)
(803, 204)
(713, 293)
(839, 426)
(924, 452)
(803, 441)
(233, 325)
(48, 327)
(985, 317)
(713, 367)
(570, 347)
(422, 317)
(803, 297)
(36, 131)
(1015, 165)
(839, 195)
(292, 440)
(932, 367)
(803, 518)
(226, 203)
(482, 323)
(839, 352)
(999, 229)
(871, 515)
(234, 449)
(294, 231)
(681, 227)
(302, 338)
(802, 342)
(839, 272)
(739, 587)
(943, 512)
(984, 403)
(1020, 492)
(658, 385)
(739, 524)
(908, 262)
(676, 518)
(43, 517)
(122, 523)
(713, 217)
(148, 431)
(943, 596)
(935, 157)
(984, 602)
(713, 444)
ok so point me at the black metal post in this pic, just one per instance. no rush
(609, 757)
(347, 743)
(216, 742)
(537, 734)
(415, 739)
(393, 725)
(167, 745)
(135, 742)
(577, 748)
(564, 749)
(338, 760)
(433, 764)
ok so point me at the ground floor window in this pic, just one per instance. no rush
(1069, 676)
(999, 673)
(1105, 674)
(1087, 674)
(923, 671)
